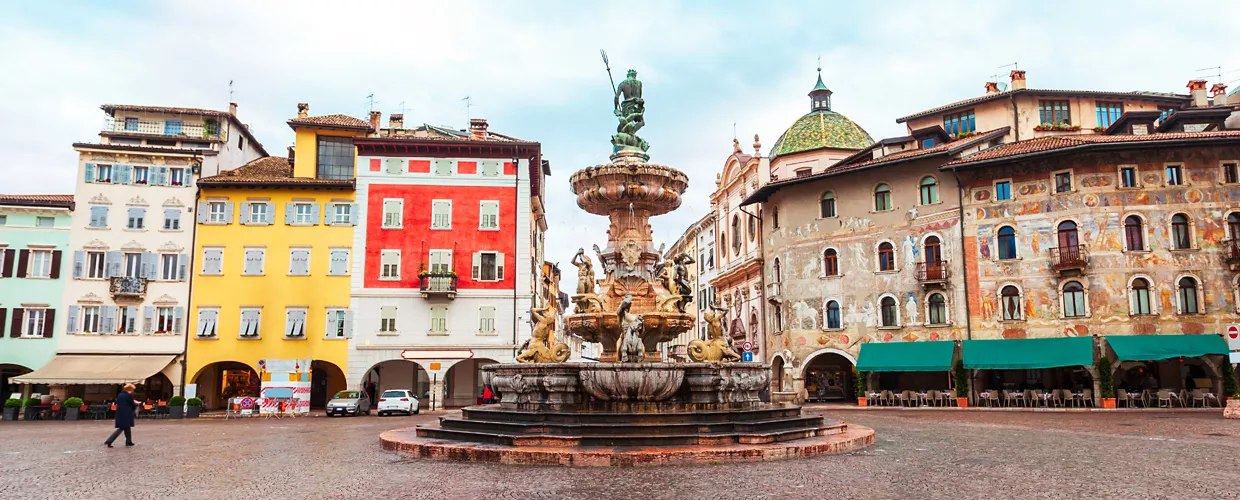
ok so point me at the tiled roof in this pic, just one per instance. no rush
(1064, 142)
(436, 133)
(38, 200)
(337, 121)
(271, 170)
(162, 109)
(819, 130)
(1048, 92)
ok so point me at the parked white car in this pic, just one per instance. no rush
(398, 401)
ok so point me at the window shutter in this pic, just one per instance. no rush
(353, 214)
(3, 316)
(126, 174)
(7, 270)
(228, 212)
(79, 264)
(203, 212)
(112, 264)
(269, 217)
(49, 323)
(15, 329)
(499, 266)
(314, 214)
(477, 274)
(73, 320)
(90, 172)
(245, 324)
(178, 315)
(56, 256)
(170, 214)
(182, 266)
(245, 213)
(107, 319)
(290, 322)
(23, 262)
(148, 320)
(162, 176)
(150, 268)
(131, 319)
(189, 177)
(289, 208)
(348, 324)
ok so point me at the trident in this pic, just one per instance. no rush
(607, 64)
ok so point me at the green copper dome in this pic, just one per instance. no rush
(821, 129)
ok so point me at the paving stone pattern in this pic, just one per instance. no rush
(918, 455)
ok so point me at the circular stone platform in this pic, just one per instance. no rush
(836, 439)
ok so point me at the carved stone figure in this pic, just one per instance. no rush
(542, 347)
(585, 272)
(630, 109)
(715, 347)
(682, 280)
(629, 348)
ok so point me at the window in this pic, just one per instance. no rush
(441, 214)
(833, 314)
(1187, 296)
(338, 264)
(1003, 190)
(1063, 182)
(486, 319)
(1139, 297)
(439, 319)
(490, 168)
(94, 265)
(165, 320)
(1233, 225)
(217, 212)
(938, 309)
(141, 175)
(441, 261)
(443, 167)
(774, 221)
(393, 215)
(777, 271)
(128, 323)
(258, 213)
(4, 219)
(886, 257)
(389, 263)
(103, 173)
(1181, 236)
(131, 124)
(882, 198)
(305, 214)
(1175, 175)
(1128, 177)
(1230, 174)
(1108, 112)
(387, 319)
(488, 266)
(40, 264)
(136, 216)
(1165, 111)
(488, 215)
(929, 190)
(98, 217)
(169, 265)
(736, 235)
(342, 213)
(959, 123)
(172, 219)
(91, 319)
(177, 177)
(212, 261)
(335, 158)
(35, 323)
(933, 249)
(927, 143)
(207, 322)
(295, 323)
(1134, 234)
(1009, 303)
(44, 221)
(172, 127)
(254, 261)
(803, 172)
(889, 313)
(753, 225)
(1054, 113)
(830, 262)
(133, 265)
(1073, 300)
(826, 205)
(393, 165)
(251, 319)
(299, 262)
(337, 323)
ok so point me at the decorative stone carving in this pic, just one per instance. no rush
(643, 382)
(133, 246)
(174, 203)
(100, 199)
(170, 247)
(725, 383)
(137, 201)
(715, 347)
(95, 244)
(542, 347)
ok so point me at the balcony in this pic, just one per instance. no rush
(933, 273)
(122, 287)
(1231, 252)
(437, 285)
(202, 131)
(1070, 258)
(774, 292)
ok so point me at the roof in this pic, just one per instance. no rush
(332, 121)
(1163, 96)
(1131, 118)
(147, 149)
(1195, 116)
(38, 200)
(439, 133)
(821, 130)
(1065, 143)
(270, 171)
(111, 109)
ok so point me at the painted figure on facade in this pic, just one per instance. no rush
(542, 347)
(629, 348)
(715, 347)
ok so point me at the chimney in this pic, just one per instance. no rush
(232, 108)
(396, 120)
(1197, 89)
(1018, 79)
(375, 117)
(1219, 92)
(992, 88)
(303, 109)
(478, 128)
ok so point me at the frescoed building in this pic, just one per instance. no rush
(448, 223)
(127, 294)
(34, 239)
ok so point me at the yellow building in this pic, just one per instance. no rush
(273, 264)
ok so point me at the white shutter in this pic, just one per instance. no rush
(73, 320)
(228, 212)
(329, 330)
(204, 211)
(353, 214)
(314, 214)
(131, 319)
(269, 217)
(290, 323)
(477, 274)
(178, 319)
(289, 209)
(499, 266)
(245, 213)
(348, 324)
(148, 320)
(79, 264)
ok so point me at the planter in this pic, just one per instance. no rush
(10, 413)
(72, 413)
(1108, 402)
(176, 412)
(32, 413)
(192, 411)
(962, 402)
(1233, 408)
(863, 402)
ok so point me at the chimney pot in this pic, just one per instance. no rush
(232, 108)
(478, 128)
(396, 120)
(303, 109)
(375, 117)
(1197, 90)
(1218, 88)
(1018, 79)
(992, 88)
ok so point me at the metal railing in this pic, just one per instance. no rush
(438, 284)
(1070, 257)
(123, 286)
(933, 272)
(163, 128)
(1231, 250)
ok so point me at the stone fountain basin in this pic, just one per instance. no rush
(604, 328)
(619, 386)
(631, 382)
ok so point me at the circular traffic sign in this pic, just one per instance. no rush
(747, 346)
(1233, 331)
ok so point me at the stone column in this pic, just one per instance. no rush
(437, 395)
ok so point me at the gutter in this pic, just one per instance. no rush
(189, 276)
(1099, 146)
(968, 314)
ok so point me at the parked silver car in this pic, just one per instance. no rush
(349, 403)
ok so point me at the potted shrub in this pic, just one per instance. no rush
(862, 388)
(194, 406)
(1106, 384)
(1230, 391)
(176, 407)
(73, 408)
(11, 408)
(962, 385)
(32, 408)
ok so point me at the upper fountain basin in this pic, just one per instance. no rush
(654, 189)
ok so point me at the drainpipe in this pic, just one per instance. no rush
(1015, 119)
(964, 266)
(516, 194)
(189, 276)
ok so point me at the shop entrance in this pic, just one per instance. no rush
(217, 382)
(326, 379)
(829, 377)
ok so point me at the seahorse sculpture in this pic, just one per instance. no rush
(542, 347)
(715, 347)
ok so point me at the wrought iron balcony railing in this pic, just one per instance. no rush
(1070, 257)
(126, 287)
(438, 284)
(163, 128)
(933, 272)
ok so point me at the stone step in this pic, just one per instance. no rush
(629, 428)
(703, 416)
(433, 432)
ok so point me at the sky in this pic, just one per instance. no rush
(711, 71)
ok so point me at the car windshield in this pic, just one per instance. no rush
(347, 395)
(393, 394)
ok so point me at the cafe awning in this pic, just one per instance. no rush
(72, 369)
(1027, 354)
(906, 356)
(1155, 347)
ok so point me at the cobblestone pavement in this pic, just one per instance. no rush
(919, 454)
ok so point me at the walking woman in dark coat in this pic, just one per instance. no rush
(125, 407)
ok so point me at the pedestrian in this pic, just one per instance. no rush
(125, 407)
(487, 395)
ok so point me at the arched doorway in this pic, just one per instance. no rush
(463, 382)
(777, 374)
(7, 386)
(325, 379)
(397, 374)
(221, 380)
(829, 377)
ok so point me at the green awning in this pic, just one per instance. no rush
(906, 356)
(1027, 354)
(1155, 347)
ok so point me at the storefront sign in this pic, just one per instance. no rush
(435, 366)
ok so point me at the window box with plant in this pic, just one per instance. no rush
(1099, 129)
(1057, 127)
(176, 407)
(1106, 381)
(11, 408)
(962, 385)
(192, 407)
(73, 408)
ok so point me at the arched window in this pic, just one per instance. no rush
(736, 234)
(753, 322)
(777, 317)
(753, 224)
(1067, 235)
(723, 243)
(833, 314)
(929, 190)
(1233, 225)
(830, 262)
(1073, 300)
(934, 251)
(886, 257)
(938, 309)
(1134, 233)
(826, 205)
(776, 272)
(882, 198)
(1009, 302)
(1007, 243)
(888, 306)
(1139, 297)
(1180, 235)
(1188, 296)
(774, 218)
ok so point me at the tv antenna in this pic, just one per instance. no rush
(370, 102)
(468, 104)
(1217, 72)
(230, 91)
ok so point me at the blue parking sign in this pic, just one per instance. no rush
(747, 357)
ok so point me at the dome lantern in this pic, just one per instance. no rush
(820, 96)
